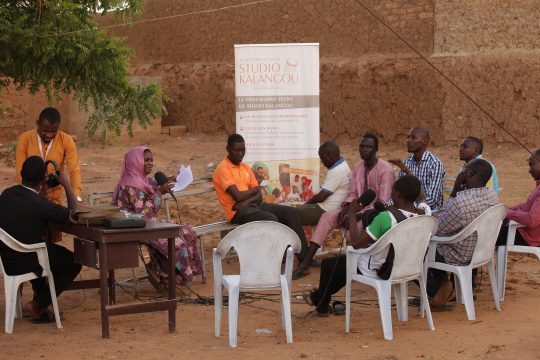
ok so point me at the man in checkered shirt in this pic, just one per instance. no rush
(459, 212)
(424, 165)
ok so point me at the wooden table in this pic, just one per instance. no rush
(109, 249)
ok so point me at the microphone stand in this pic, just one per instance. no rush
(177, 209)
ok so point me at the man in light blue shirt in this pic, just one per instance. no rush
(471, 148)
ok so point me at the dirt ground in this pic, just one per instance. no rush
(494, 335)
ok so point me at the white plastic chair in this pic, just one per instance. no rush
(487, 226)
(260, 246)
(12, 283)
(502, 255)
(410, 239)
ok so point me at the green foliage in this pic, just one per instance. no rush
(54, 45)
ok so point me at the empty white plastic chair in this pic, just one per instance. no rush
(410, 239)
(260, 246)
(487, 226)
(502, 255)
(12, 283)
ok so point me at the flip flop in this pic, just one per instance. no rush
(324, 314)
(306, 295)
(314, 263)
(441, 308)
(43, 319)
(299, 273)
(338, 308)
(414, 301)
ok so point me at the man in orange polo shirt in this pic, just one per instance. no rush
(49, 143)
(240, 195)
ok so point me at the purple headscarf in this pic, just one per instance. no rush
(133, 172)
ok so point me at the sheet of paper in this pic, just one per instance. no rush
(184, 178)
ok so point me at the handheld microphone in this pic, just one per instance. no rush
(380, 206)
(367, 197)
(162, 179)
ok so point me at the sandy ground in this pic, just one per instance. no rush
(494, 335)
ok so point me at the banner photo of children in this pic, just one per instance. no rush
(291, 181)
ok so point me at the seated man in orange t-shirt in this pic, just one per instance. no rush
(240, 196)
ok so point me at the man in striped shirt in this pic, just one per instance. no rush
(424, 165)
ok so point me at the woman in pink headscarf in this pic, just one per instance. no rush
(140, 194)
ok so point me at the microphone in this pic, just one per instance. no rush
(162, 179)
(367, 197)
(380, 206)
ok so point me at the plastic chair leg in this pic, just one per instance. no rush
(348, 287)
(502, 254)
(234, 293)
(218, 306)
(18, 303)
(493, 281)
(400, 296)
(385, 308)
(465, 282)
(457, 284)
(283, 325)
(54, 300)
(424, 304)
(10, 290)
(286, 312)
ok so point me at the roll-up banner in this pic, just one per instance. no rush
(277, 113)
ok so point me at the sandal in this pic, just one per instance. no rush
(338, 308)
(324, 314)
(299, 273)
(43, 319)
(306, 295)
(314, 263)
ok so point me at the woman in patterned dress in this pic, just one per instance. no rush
(140, 194)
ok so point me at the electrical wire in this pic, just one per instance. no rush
(450, 81)
(137, 22)
(82, 302)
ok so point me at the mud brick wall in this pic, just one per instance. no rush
(369, 79)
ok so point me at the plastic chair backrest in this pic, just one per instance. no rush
(487, 225)
(10, 242)
(410, 239)
(260, 246)
(13, 244)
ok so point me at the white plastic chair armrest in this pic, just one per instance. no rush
(512, 228)
(36, 246)
(448, 239)
(432, 249)
(513, 223)
(368, 251)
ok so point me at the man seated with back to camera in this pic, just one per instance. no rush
(333, 193)
(25, 215)
(405, 191)
(454, 216)
(527, 213)
(240, 196)
(472, 148)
